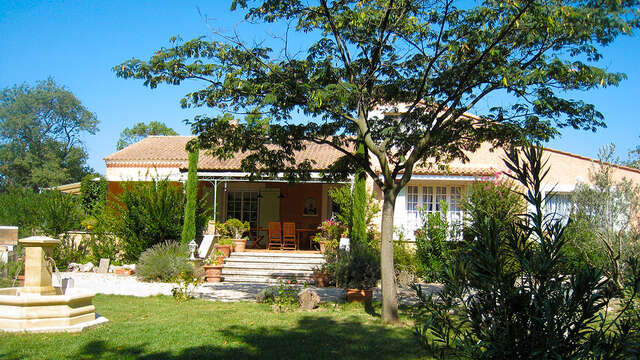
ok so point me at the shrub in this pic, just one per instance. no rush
(358, 268)
(146, 214)
(605, 213)
(60, 212)
(69, 251)
(93, 190)
(508, 298)
(404, 257)
(165, 262)
(236, 228)
(494, 199)
(433, 249)
(20, 207)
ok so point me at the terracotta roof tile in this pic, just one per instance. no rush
(161, 149)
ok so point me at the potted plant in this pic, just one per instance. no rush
(235, 229)
(224, 245)
(358, 272)
(328, 235)
(320, 276)
(213, 267)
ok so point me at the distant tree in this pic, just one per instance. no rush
(396, 76)
(40, 131)
(604, 212)
(634, 158)
(140, 131)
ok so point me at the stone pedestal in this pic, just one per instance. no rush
(37, 271)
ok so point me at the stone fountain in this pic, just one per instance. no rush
(38, 306)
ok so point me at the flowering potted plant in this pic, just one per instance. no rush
(213, 267)
(329, 234)
(321, 276)
(235, 229)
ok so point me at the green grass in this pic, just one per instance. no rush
(160, 328)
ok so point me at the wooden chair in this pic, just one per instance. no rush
(275, 236)
(289, 239)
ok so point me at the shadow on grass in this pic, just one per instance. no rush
(311, 338)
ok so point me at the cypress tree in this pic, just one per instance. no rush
(191, 188)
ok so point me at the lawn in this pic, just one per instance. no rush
(160, 328)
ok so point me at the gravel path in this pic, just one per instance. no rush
(129, 285)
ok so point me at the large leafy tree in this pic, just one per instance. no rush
(140, 131)
(396, 76)
(40, 136)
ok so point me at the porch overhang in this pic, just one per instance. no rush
(237, 176)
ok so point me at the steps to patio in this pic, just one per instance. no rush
(269, 266)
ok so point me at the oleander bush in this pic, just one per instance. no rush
(508, 297)
(165, 262)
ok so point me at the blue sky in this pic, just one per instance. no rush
(78, 42)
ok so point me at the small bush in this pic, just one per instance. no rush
(358, 268)
(433, 249)
(165, 262)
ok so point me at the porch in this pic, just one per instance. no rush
(304, 204)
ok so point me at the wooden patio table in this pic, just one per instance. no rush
(300, 232)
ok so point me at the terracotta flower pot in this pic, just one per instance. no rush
(21, 280)
(323, 246)
(239, 245)
(123, 272)
(213, 273)
(359, 295)
(320, 279)
(224, 249)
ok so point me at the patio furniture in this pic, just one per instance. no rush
(289, 239)
(275, 236)
(256, 237)
(305, 234)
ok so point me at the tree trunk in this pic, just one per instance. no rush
(389, 288)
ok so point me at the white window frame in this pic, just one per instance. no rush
(246, 198)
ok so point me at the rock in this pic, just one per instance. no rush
(73, 267)
(103, 268)
(308, 299)
(86, 267)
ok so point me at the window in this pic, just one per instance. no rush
(441, 196)
(558, 206)
(412, 200)
(430, 199)
(427, 199)
(456, 216)
(243, 205)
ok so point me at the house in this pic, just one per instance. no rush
(308, 203)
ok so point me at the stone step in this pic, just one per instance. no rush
(276, 253)
(269, 273)
(240, 260)
(268, 266)
(257, 279)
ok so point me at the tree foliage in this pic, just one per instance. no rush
(191, 190)
(140, 131)
(40, 136)
(604, 211)
(397, 76)
(508, 297)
